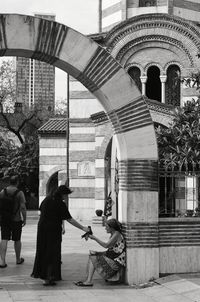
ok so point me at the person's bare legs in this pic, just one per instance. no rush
(18, 246)
(3, 250)
(90, 272)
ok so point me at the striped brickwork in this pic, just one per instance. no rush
(131, 116)
(88, 192)
(82, 101)
(142, 249)
(111, 13)
(50, 41)
(102, 138)
(179, 232)
(52, 159)
(115, 11)
(172, 233)
(141, 235)
(138, 175)
(179, 245)
(100, 69)
(178, 240)
(187, 9)
(82, 158)
(133, 8)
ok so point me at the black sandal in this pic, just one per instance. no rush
(20, 261)
(82, 284)
(50, 283)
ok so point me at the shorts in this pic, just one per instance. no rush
(12, 232)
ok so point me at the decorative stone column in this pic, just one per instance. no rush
(163, 79)
(143, 80)
(138, 188)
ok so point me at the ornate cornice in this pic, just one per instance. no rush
(182, 26)
(99, 118)
(159, 107)
(143, 28)
(154, 38)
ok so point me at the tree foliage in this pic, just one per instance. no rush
(19, 155)
(7, 85)
(61, 106)
(179, 145)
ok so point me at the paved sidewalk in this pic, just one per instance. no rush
(17, 285)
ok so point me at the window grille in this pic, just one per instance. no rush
(179, 193)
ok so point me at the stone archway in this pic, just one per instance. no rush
(65, 48)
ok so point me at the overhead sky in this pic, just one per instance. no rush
(82, 15)
(79, 14)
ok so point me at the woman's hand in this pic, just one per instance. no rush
(92, 237)
(86, 229)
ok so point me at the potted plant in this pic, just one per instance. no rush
(99, 212)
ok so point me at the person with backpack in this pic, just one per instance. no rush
(12, 218)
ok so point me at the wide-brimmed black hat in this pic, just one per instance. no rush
(64, 190)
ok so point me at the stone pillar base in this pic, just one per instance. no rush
(98, 220)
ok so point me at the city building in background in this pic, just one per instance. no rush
(35, 81)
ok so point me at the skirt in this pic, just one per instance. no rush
(107, 268)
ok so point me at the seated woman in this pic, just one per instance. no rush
(108, 264)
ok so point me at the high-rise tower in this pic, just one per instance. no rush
(36, 81)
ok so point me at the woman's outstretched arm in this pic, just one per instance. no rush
(78, 225)
(107, 244)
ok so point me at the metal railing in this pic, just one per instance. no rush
(179, 193)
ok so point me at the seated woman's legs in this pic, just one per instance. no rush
(90, 272)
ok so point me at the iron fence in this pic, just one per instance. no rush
(179, 193)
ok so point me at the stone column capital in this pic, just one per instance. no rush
(143, 79)
(163, 78)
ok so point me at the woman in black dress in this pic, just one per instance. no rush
(47, 265)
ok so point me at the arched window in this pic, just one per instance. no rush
(153, 85)
(173, 86)
(135, 74)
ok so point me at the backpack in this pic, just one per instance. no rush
(8, 207)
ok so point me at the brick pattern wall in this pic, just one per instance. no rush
(115, 12)
(52, 159)
(81, 150)
(167, 233)
(112, 13)
(141, 235)
(138, 175)
(179, 232)
(131, 116)
(188, 9)
(99, 70)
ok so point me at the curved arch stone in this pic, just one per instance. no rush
(67, 49)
